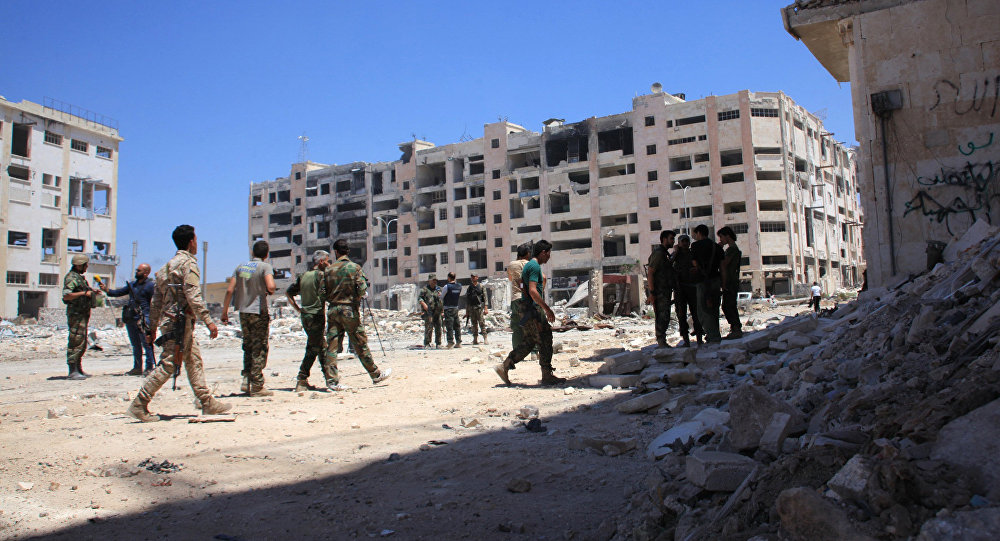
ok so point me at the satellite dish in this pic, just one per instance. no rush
(656, 88)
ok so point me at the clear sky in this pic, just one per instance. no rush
(211, 96)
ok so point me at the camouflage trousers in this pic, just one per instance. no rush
(341, 320)
(315, 327)
(516, 331)
(452, 325)
(661, 310)
(537, 333)
(477, 325)
(432, 323)
(77, 343)
(190, 355)
(256, 329)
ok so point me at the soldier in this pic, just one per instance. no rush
(514, 269)
(450, 294)
(178, 297)
(686, 296)
(78, 296)
(536, 319)
(252, 282)
(311, 287)
(707, 256)
(661, 279)
(730, 282)
(345, 285)
(475, 309)
(430, 303)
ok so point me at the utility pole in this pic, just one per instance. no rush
(135, 252)
(204, 268)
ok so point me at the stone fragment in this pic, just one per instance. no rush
(715, 396)
(602, 446)
(752, 342)
(623, 368)
(775, 433)
(972, 443)
(851, 481)
(527, 412)
(972, 236)
(55, 413)
(778, 346)
(718, 471)
(682, 376)
(751, 409)
(977, 525)
(622, 381)
(808, 516)
(644, 402)
(671, 355)
(25, 485)
(683, 433)
(519, 485)
(816, 372)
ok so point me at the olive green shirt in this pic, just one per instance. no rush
(310, 287)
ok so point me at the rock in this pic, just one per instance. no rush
(851, 481)
(807, 516)
(470, 423)
(718, 471)
(795, 339)
(972, 236)
(775, 433)
(778, 346)
(25, 485)
(716, 396)
(682, 376)
(607, 388)
(644, 402)
(56, 413)
(602, 446)
(683, 433)
(519, 486)
(527, 412)
(751, 409)
(978, 525)
(621, 381)
(569, 390)
(972, 443)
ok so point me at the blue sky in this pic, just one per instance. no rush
(211, 96)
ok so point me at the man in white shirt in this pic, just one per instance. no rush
(817, 292)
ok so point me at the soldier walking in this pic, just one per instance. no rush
(514, 269)
(310, 286)
(345, 285)
(661, 279)
(251, 283)
(536, 319)
(475, 309)
(430, 303)
(177, 298)
(78, 297)
(450, 294)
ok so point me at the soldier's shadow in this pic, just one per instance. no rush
(165, 417)
(577, 382)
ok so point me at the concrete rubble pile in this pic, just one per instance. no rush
(881, 421)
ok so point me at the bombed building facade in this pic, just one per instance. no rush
(59, 184)
(600, 190)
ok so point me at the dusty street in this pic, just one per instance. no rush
(388, 460)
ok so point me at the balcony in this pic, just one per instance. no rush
(99, 259)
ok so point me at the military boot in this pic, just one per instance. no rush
(548, 378)
(74, 373)
(302, 386)
(383, 375)
(79, 368)
(214, 407)
(245, 386)
(260, 391)
(502, 369)
(139, 411)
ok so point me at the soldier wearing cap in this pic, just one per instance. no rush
(310, 287)
(433, 307)
(78, 298)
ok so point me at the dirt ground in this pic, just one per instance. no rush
(388, 460)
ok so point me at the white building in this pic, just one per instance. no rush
(58, 189)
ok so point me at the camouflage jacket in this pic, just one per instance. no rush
(178, 289)
(664, 276)
(432, 298)
(475, 297)
(74, 283)
(345, 282)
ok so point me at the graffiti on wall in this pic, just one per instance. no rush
(976, 185)
(985, 96)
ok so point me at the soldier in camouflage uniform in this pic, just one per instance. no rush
(661, 281)
(78, 296)
(475, 309)
(433, 307)
(310, 286)
(248, 288)
(345, 285)
(177, 298)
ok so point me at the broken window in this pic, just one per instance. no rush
(79, 146)
(20, 141)
(558, 203)
(103, 152)
(768, 175)
(680, 163)
(282, 218)
(496, 174)
(75, 245)
(516, 209)
(654, 202)
(769, 151)
(101, 200)
(512, 186)
(497, 195)
(700, 212)
(729, 178)
(458, 212)
(103, 248)
(51, 180)
(734, 208)
(324, 189)
(617, 139)
(460, 194)
(18, 172)
(614, 246)
(256, 200)
(700, 158)
(690, 183)
(774, 259)
(284, 196)
(17, 238)
(730, 157)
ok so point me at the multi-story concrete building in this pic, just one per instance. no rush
(600, 190)
(59, 180)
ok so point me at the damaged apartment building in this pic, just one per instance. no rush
(59, 184)
(601, 190)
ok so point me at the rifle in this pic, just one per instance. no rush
(134, 305)
(175, 334)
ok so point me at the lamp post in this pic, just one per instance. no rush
(687, 210)
(386, 224)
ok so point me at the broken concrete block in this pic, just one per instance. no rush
(682, 376)
(621, 381)
(752, 342)
(623, 357)
(718, 471)
(972, 443)
(751, 409)
(977, 525)
(778, 346)
(775, 433)
(851, 481)
(671, 355)
(816, 372)
(795, 339)
(626, 367)
(644, 402)
(684, 434)
(972, 236)
(716, 396)
(918, 328)
(602, 446)
(807, 515)
(528, 412)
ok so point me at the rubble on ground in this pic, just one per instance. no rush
(880, 421)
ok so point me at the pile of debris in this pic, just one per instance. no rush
(879, 421)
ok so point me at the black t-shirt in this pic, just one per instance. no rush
(709, 256)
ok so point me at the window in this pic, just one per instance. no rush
(51, 180)
(477, 191)
(74, 245)
(650, 121)
(459, 257)
(729, 178)
(18, 172)
(48, 279)
(731, 157)
(406, 229)
(729, 115)
(443, 214)
(734, 208)
(498, 242)
(680, 163)
(512, 185)
(406, 186)
(443, 258)
(17, 278)
(690, 120)
(406, 250)
(53, 138)
(494, 143)
(654, 225)
(681, 141)
(771, 205)
(768, 175)
(740, 229)
(458, 212)
(80, 146)
(498, 266)
(651, 176)
(324, 189)
(650, 149)
(407, 273)
(17, 238)
(775, 260)
(744, 261)
(670, 123)
(498, 218)
(773, 227)
(760, 112)
(460, 194)
(702, 137)
(654, 202)
(496, 195)
(496, 174)
(106, 153)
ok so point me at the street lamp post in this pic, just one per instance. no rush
(687, 210)
(386, 224)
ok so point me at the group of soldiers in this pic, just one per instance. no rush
(698, 278)
(440, 304)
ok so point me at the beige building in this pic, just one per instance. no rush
(59, 185)
(600, 190)
(925, 80)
